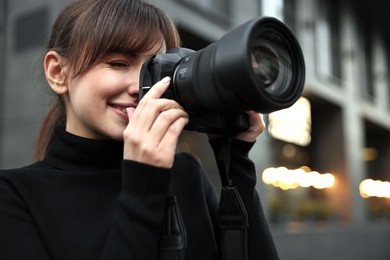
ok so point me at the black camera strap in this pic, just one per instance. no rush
(233, 217)
(173, 238)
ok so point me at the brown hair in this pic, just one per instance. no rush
(87, 30)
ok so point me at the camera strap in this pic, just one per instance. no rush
(173, 238)
(233, 217)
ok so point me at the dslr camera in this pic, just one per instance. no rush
(257, 66)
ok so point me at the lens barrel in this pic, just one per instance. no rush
(257, 66)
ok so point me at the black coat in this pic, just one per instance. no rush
(84, 202)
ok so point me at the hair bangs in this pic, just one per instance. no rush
(130, 27)
(133, 36)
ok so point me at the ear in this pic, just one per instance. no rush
(55, 71)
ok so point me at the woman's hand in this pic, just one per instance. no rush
(256, 127)
(154, 128)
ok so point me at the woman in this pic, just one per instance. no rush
(106, 162)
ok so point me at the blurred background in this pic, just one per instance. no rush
(323, 165)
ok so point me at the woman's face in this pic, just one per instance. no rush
(96, 101)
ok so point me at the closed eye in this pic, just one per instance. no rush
(118, 64)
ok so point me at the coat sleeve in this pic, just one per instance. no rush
(139, 212)
(242, 172)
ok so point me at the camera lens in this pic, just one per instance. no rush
(265, 64)
(272, 66)
(257, 66)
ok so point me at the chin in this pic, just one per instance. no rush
(118, 138)
(118, 135)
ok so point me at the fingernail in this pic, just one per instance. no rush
(130, 110)
(166, 80)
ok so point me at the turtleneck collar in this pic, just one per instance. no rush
(75, 153)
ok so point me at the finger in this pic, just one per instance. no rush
(154, 93)
(256, 121)
(158, 89)
(256, 127)
(147, 110)
(130, 112)
(147, 151)
(144, 117)
(164, 121)
(169, 140)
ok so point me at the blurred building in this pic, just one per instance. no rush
(323, 165)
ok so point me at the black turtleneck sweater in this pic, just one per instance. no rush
(83, 201)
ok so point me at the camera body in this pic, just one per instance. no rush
(162, 65)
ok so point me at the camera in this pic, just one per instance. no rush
(257, 66)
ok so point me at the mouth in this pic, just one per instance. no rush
(123, 109)
(120, 109)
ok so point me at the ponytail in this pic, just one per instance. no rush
(54, 117)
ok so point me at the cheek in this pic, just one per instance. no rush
(108, 84)
(93, 89)
(83, 97)
(98, 87)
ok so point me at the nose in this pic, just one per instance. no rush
(133, 88)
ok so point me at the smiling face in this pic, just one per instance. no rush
(95, 54)
(83, 36)
(96, 100)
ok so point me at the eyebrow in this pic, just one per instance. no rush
(133, 55)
